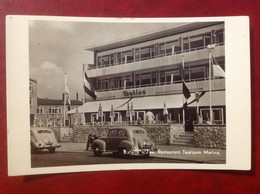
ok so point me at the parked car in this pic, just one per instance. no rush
(125, 140)
(43, 138)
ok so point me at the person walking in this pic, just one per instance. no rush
(90, 141)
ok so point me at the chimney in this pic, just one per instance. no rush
(77, 96)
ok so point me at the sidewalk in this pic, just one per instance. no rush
(185, 153)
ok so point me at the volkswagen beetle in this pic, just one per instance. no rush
(43, 138)
(125, 140)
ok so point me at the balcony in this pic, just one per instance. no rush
(161, 89)
(195, 55)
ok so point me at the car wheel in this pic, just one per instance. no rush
(115, 153)
(122, 152)
(51, 150)
(34, 150)
(97, 151)
(147, 155)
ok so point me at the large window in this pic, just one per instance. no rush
(103, 84)
(145, 53)
(197, 73)
(219, 36)
(196, 42)
(127, 57)
(139, 115)
(144, 79)
(217, 115)
(170, 47)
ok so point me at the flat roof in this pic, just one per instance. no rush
(151, 36)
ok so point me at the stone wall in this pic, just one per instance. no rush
(210, 136)
(159, 134)
(81, 133)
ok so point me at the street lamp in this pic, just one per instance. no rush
(210, 48)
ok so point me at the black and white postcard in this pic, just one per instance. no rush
(92, 94)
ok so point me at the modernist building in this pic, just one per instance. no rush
(33, 100)
(50, 112)
(144, 73)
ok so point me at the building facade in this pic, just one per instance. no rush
(51, 112)
(144, 74)
(33, 100)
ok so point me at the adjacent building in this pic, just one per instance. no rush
(33, 100)
(51, 112)
(144, 74)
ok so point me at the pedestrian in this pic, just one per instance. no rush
(90, 141)
(139, 121)
(150, 117)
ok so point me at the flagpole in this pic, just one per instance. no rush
(64, 100)
(210, 103)
(183, 111)
(83, 93)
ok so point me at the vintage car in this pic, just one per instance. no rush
(43, 138)
(125, 140)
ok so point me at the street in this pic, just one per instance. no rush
(46, 159)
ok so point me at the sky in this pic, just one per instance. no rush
(57, 47)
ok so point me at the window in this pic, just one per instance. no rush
(175, 73)
(170, 45)
(197, 73)
(196, 42)
(139, 114)
(121, 132)
(145, 53)
(117, 116)
(54, 110)
(186, 44)
(113, 132)
(40, 109)
(219, 36)
(31, 102)
(43, 131)
(217, 115)
(30, 87)
(94, 117)
(162, 49)
(138, 132)
(127, 57)
(137, 54)
(103, 84)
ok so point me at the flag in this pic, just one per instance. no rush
(67, 94)
(185, 90)
(217, 71)
(197, 97)
(165, 111)
(88, 87)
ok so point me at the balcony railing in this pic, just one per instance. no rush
(156, 84)
(151, 57)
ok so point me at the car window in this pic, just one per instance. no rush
(112, 132)
(121, 132)
(138, 131)
(43, 131)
